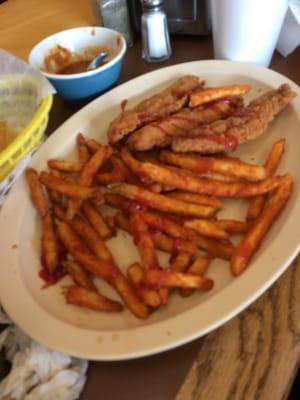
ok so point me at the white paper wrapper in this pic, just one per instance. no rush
(38, 372)
(22, 89)
(289, 38)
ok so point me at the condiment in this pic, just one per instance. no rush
(62, 61)
(114, 15)
(155, 34)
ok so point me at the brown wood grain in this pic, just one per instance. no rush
(256, 355)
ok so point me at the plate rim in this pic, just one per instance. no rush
(165, 341)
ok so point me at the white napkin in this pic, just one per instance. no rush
(38, 372)
(289, 37)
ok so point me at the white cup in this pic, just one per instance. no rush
(247, 30)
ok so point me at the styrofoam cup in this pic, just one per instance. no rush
(247, 30)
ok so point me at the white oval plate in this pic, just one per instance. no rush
(44, 315)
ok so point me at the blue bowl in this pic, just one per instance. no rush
(84, 85)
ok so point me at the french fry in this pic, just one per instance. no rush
(161, 241)
(173, 228)
(188, 182)
(215, 248)
(83, 152)
(173, 245)
(221, 165)
(69, 188)
(96, 220)
(233, 226)
(273, 160)
(49, 247)
(93, 145)
(211, 94)
(178, 231)
(119, 173)
(168, 278)
(131, 299)
(79, 275)
(83, 297)
(198, 267)
(178, 263)
(92, 238)
(55, 197)
(150, 297)
(65, 166)
(207, 228)
(258, 230)
(197, 199)
(37, 193)
(87, 176)
(143, 241)
(81, 253)
(161, 202)
(102, 269)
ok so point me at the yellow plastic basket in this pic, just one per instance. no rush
(32, 134)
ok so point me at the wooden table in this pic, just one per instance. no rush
(255, 355)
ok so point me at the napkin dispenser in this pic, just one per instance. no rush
(184, 17)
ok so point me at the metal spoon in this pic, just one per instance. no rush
(96, 62)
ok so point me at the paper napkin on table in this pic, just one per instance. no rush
(289, 38)
(38, 373)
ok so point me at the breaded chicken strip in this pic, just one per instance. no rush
(161, 133)
(228, 133)
(160, 105)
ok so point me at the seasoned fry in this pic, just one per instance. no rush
(81, 253)
(150, 297)
(119, 173)
(83, 297)
(102, 269)
(37, 194)
(161, 202)
(69, 188)
(83, 152)
(143, 241)
(49, 248)
(168, 278)
(207, 228)
(87, 176)
(253, 238)
(79, 275)
(179, 232)
(65, 166)
(93, 145)
(220, 165)
(173, 228)
(161, 241)
(198, 267)
(215, 93)
(273, 160)
(188, 182)
(95, 218)
(233, 226)
(215, 248)
(55, 197)
(92, 238)
(178, 263)
(131, 299)
(197, 199)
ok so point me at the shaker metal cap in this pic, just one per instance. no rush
(151, 3)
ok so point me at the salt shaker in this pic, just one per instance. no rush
(155, 33)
